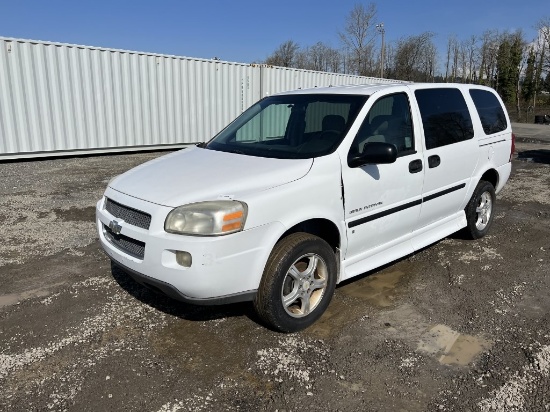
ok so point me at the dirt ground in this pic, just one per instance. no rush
(460, 326)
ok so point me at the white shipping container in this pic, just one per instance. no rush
(63, 99)
(281, 79)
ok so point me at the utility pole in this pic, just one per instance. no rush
(381, 30)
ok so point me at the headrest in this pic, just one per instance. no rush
(333, 122)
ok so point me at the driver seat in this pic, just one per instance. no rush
(333, 122)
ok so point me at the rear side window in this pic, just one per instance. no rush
(445, 116)
(489, 110)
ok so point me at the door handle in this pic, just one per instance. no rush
(434, 161)
(415, 166)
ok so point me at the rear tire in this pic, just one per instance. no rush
(297, 284)
(480, 210)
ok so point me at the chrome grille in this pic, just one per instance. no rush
(126, 244)
(131, 216)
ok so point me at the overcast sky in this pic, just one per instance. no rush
(247, 31)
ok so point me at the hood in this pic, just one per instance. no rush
(195, 174)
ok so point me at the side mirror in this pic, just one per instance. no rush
(374, 153)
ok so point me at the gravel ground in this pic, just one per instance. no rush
(460, 326)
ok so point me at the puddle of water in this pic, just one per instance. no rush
(333, 320)
(202, 352)
(75, 214)
(451, 347)
(378, 289)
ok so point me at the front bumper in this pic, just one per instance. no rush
(171, 291)
(224, 269)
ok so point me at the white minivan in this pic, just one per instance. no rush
(307, 189)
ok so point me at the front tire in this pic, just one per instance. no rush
(297, 284)
(480, 210)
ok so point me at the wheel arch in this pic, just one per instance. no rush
(323, 228)
(491, 176)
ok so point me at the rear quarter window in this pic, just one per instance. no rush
(445, 116)
(490, 111)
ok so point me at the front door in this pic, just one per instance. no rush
(382, 201)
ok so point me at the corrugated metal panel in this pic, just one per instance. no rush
(59, 97)
(282, 79)
(62, 98)
(268, 124)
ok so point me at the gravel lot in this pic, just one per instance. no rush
(460, 326)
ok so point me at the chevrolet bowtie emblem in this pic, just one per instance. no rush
(115, 226)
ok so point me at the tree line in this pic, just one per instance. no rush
(518, 68)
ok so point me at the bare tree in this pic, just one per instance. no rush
(473, 52)
(334, 60)
(358, 37)
(450, 43)
(490, 41)
(467, 51)
(543, 27)
(456, 54)
(301, 59)
(492, 58)
(430, 61)
(285, 55)
(463, 61)
(452, 60)
(414, 58)
(320, 56)
(520, 46)
(389, 62)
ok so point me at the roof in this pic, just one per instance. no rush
(369, 89)
(345, 89)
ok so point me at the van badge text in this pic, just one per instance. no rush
(365, 208)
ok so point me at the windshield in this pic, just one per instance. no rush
(294, 126)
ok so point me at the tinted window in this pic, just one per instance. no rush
(490, 111)
(267, 124)
(317, 112)
(294, 126)
(445, 116)
(389, 121)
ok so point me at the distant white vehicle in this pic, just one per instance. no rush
(309, 188)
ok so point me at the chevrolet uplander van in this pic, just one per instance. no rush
(307, 189)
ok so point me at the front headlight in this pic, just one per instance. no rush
(214, 218)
